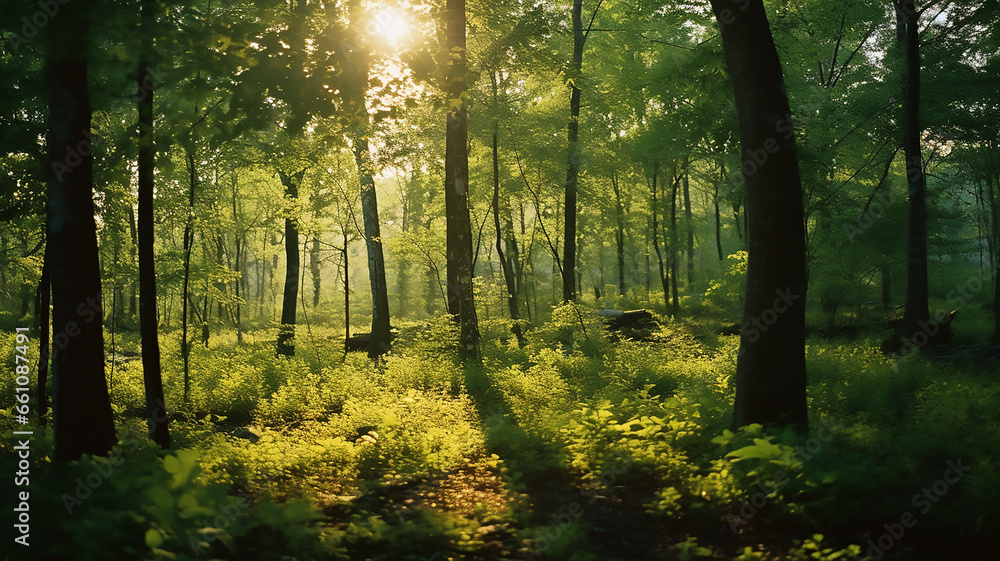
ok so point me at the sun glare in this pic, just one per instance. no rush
(392, 26)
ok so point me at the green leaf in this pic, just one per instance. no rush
(154, 538)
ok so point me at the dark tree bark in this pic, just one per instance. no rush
(186, 284)
(654, 209)
(771, 370)
(674, 243)
(84, 423)
(381, 340)
(290, 297)
(689, 227)
(156, 411)
(573, 159)
(315, 269)
(505, 264)
(916, 310)
(461, 301)
(347, 287)
(240, 242)
(133, 297)
(718, 222)
(619, 232)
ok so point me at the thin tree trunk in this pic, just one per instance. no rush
(290, 297)
(133, 294)
(674, 243)
(185, 288)
(916, 312)
(718, 222)
(156, 410)
(508, 273)
(380, 341)
(84, 423)
(664, 279)
(770, 370)
(347, 289)
(315, 269)
(689, 226)
(619, 232)
(573, 159)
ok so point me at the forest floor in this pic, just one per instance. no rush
(576, 447)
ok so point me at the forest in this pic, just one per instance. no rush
(497, 280)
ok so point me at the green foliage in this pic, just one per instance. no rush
(727, 292)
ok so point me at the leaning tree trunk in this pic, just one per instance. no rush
(654, 210)
(505, 264)
(771, 369)
(156, 411)
(916, 310)
(84, 423)
(286, 333)
(619, 232)
(573, 159)
(380, 341)
(461, 301)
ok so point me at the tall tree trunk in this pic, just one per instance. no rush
(240, 242)
(619, 232)
(916, 312)
(380, 341)
(664, 279)
(84, 423)
(347, 288)
(689, 227)
(156, 410)
(461, 301)
(674, 243)
(770, 368)
(315, 269)
(133, 297)
(718, 222)
(186, 284)
(573, 159)
(505, 265)
(286, 333)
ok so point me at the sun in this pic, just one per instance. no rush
(392, 26)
